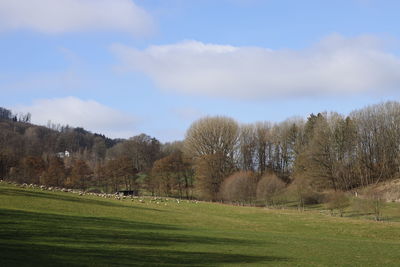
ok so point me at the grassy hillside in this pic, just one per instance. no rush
(64, 229)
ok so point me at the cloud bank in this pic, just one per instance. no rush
(60, 16)
(75, 112)
(335, 65)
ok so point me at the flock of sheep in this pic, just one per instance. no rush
(116, 196)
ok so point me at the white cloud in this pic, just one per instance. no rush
(75, 112)
(59, 16)
(335, 65)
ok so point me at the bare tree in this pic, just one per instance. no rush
(173, 175)
(285, 138)
(378, 144)
(212, 135)
(80, 175)
(212, 143)
(247, 145)
(55, 174)
(210, 171)
(263, 145)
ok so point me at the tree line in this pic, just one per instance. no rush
(219, 159)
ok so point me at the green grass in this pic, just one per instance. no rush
(40, 228)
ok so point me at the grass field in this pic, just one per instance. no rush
(41, 228)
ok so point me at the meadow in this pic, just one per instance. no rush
(43, 228)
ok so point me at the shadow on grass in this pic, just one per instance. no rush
(58, 240)
(65, 197)
(61, 256)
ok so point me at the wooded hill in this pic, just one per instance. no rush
(218, 160)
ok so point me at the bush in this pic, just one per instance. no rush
(303, 193)
(268, 189)
(312, 197)
(240, 187)
(337, 201)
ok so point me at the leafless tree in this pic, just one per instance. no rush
(212, 143)
(247, 147)
(263, 145)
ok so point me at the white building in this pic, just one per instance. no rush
(65, 154)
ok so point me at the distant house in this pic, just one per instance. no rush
(128, 193)
(65, 154)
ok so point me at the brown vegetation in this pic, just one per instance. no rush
(269, 188)
(240, 188)
(218, 160)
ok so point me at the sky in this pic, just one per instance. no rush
(125, 67)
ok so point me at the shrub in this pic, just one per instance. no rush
(337, 201)
(312, 197)
(268, 189)
(303, 193)
(240, 187)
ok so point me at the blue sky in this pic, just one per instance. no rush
(123, 67)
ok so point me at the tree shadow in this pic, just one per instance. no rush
(29, 238)
(43, 255)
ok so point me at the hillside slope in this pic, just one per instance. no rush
(388, 191)
(44, 228)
